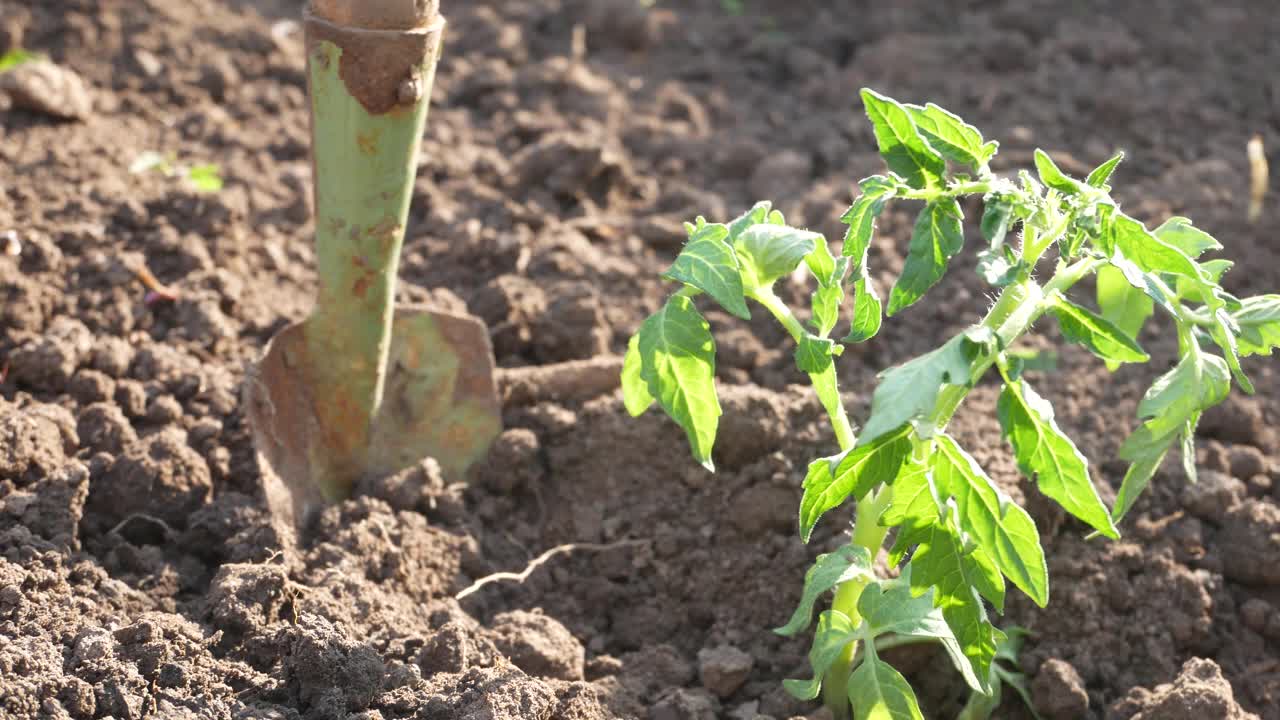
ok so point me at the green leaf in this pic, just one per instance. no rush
(205, 178)
(1149, 283)
(708, 263)
(826, 307)
(909, 391)
(822, 264)
(1259, 321)
(16, 57)
(957, 577)
(766, 252)
(998, 267)
(1223, 331)
(814, 354)
(861, 216)
(890, 607)
(1018, 682)
(1122, 304)
(868, 312)
(678, 362)
(834, 633)
(635, 390)
(831, 481)
(1053, 177)
(828, 571)
(954, 138)
(1023, 360)
(998, 264)
(1149, 252)
(1101, 174)
(879, 692)
(1214, 269)
(1099, 335)
(1047, 455)
(904, 150)
(914, 504)
(1198, 382)
(1005, 531)
(1145, 452)
(1192, 241)
(758, 214)
(938, 235)
(997, 215)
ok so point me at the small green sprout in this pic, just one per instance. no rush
(16, 57)
(204, 178)
(959, 537)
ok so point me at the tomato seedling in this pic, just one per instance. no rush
(959, 537)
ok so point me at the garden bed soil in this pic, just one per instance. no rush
(140, 575)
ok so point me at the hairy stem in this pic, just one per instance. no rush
(867, 533)
(839, 417)
(1019, 306)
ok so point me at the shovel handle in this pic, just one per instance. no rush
(377, 14)
(370, 88)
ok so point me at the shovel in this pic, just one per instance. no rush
(362, 387)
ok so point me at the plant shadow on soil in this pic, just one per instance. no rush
(141, 577)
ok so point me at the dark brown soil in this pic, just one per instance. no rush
(141, 577)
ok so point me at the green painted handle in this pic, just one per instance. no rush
(369, 95)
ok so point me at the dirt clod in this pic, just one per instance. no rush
(685, 704)
(1252, 532)
(1199, 692)
(724, 669)
(539, 645)
(332, 674)
(46, 88)
(160, 476)
(1059, 692)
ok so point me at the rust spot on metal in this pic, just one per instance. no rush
(411, 89)
(375, 63)
(386, 232)
(368, 142)
(361, 286)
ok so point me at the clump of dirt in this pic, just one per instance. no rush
(142, 576)
(1199, 691)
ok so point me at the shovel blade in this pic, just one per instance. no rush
(440, 400)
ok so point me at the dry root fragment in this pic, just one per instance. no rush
(541, 560)
(156, 290)
(575, 380)
(1258, 177)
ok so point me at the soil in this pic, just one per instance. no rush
(141, 576)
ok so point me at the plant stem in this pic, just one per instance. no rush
(839, 417)
(1016, 310)
(867, 533)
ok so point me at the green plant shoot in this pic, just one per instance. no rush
(17, 56)
(960, 540)
(204, 178)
